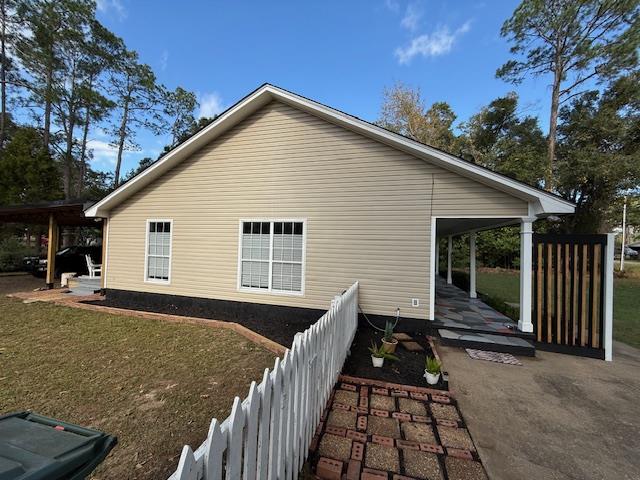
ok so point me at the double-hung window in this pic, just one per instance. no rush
(158, 254)
(272, 256)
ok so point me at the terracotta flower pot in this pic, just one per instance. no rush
(390, 347)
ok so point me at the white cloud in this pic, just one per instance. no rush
(412, 17)
(210, 104)
(164, 60)
(112, 6)
(440, 42)
(104, 154)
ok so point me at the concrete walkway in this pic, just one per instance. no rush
(555, 417)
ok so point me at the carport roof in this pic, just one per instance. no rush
(68, 213)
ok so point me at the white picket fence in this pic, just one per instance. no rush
(267, 435)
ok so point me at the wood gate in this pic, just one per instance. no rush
(571, 308)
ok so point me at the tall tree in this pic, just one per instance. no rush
(404, 111)
(575, 42)
(599, 152)
(498, 138)
(10, 32)
(180, 105)
(138, 103)
(29, 173)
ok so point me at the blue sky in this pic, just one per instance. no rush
(340, 53)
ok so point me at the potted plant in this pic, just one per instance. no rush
(388, 341)
(378, 354)
(432, 369)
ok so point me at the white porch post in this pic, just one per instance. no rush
(526, 263)
(472, 265)
(449, 253)
(608, 298)
(437, 257)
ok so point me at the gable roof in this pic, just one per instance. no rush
(543, 203)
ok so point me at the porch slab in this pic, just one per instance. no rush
(456, 311)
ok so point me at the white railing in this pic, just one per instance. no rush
(267, 435)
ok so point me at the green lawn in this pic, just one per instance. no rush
(626, 299)
(155, 385)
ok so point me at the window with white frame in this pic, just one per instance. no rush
(158, 255)
(271, 256)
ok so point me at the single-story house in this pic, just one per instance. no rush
(283, 202)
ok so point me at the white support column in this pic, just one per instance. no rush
(608, 298)
(472, 265)
(526, 263)
(449, 254)
(437, 257)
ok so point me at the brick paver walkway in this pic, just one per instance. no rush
(378, 431)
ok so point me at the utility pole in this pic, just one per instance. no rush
(624, 231)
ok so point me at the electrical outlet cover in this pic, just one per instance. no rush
(415, 302)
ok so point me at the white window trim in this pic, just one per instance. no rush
(146, 252)
(270, 290)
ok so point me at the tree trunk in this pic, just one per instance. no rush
(46, 137)
(549, 183)
(122, 133)
(83, 153)
(3, 75)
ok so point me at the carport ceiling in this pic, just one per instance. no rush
(458, 226)
(66, 214)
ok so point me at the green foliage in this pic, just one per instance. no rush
(432, 365)
(12, 253)
(179, 108)
(599, 154)
(28, 172)
(388, 331)
(380, 352)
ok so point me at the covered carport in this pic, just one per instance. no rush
(55, 215)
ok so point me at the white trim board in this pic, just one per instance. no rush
(542, 203)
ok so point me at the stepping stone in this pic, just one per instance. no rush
(412, 346)
(444, 412)
(411, 406)
(342, 419)
(338, 448)
(388, 427)
(459, 469)
(418, 432)
(455, 437)
(422, 465)
(346, 398)
(402, 337)
(382, 458)
(381, 402)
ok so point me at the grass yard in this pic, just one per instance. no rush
(155, 385)
(626, 298)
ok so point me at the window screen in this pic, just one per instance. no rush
(272, 255)
(158, 250)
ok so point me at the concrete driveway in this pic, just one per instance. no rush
(556, 417)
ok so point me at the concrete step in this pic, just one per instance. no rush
(84, 285)
(488, 342)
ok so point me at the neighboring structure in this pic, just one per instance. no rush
(285, 202)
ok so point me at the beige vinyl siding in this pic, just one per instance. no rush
(367, 208)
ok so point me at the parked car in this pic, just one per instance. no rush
(69, 259)
(630, 252)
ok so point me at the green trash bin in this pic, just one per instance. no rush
(34, 447)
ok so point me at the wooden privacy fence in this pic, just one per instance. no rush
(267, 435)
(573, 291)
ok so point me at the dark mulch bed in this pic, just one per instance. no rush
(409, 370)
(281, 330)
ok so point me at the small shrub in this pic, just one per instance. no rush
(12, 253)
